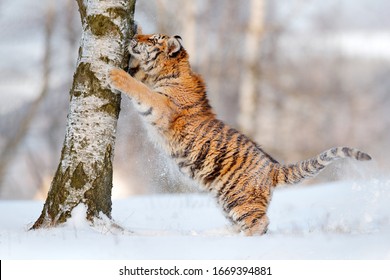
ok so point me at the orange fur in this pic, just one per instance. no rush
(172, 100)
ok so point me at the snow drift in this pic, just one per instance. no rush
(341, 220)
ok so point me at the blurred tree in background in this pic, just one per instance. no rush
(318, 72)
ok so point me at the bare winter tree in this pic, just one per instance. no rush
(13, 143)
(189, 30)
(250, 73)
(84, 174)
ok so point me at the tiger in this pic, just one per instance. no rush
(171, 99)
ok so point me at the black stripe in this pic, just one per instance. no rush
(167, 77)
(192, 142)
(190, 117)
(224, 141)
(255, 157)
(184, 163)
(134, 70)
(199, 133)
(318, 166)
(156, 51)
(255, 166)
(166, 95)
(246, 215)
(169, 97)
(200, 101)
(297, 175)
(236, 155)
(214, 174)
(198, 164)
(172, 84)
(201, 157)
(213, 123)
(347, 151)
(334, 151)
(305, 166)
(247, 181)
(149, 67)
(325, 157)
(237, 201)
(175, 154)
(245, 171)
(147, 112)
(144, 78)
(254, 220)
(236, 151)
(286, 172)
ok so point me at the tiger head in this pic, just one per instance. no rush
(156, 50)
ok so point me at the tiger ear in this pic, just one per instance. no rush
(174, 45)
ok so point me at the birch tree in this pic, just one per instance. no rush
(250, 74)
(84, 174)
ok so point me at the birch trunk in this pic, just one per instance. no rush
(251, 71)
(84, 174)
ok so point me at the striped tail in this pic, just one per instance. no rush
(294, 173)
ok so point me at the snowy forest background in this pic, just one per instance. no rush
(321, 71)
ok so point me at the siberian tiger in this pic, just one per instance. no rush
(172, 100)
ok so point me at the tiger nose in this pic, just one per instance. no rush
(133, 43)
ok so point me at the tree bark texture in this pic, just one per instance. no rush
(84, 174)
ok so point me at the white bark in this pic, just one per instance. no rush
(84, 175)
(90, 130)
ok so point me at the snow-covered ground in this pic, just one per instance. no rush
(342, 220)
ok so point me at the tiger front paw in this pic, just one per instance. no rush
(119, 79)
